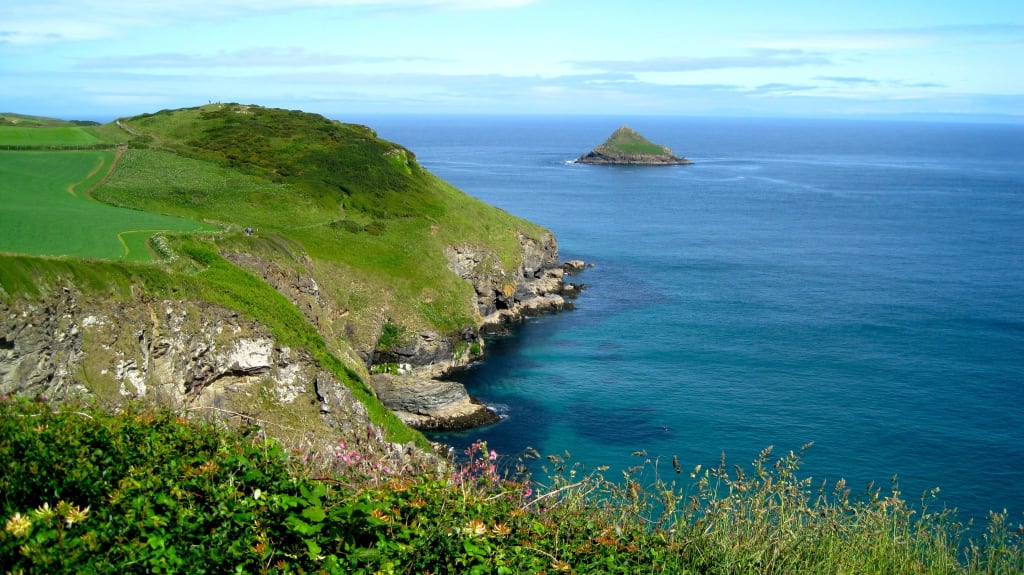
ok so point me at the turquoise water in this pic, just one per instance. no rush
(859, 285)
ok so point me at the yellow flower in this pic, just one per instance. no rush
(19, 525)
(475, 528)
(43, 511)
(76, 515)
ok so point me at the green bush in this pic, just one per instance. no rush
(83, 491)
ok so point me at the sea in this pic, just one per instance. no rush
(854, 285)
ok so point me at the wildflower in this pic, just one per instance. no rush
(492, 455)
(63, 507)
(257, 493)
(380, 515)
(501, 529)
(43, 511)
(475, 528)
(76, 515)
(19, 525)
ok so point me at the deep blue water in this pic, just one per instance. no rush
(859, 285)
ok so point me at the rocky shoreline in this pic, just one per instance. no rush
(425, 398)
(597, 157)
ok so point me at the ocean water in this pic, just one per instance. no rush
(858, 285)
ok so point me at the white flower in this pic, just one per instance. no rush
(19, 525)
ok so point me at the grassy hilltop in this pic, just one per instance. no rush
(155, 208)
(360, 207)
(159, 205)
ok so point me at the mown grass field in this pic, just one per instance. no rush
(58, 136)
(47, 211)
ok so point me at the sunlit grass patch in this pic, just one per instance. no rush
(46, 210)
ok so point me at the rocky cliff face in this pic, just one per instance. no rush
(205, 358)
(612, 158)
(420, 395)
(535, 287)
(192, 356)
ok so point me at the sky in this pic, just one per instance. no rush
(102, 59)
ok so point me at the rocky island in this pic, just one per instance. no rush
(627, 147)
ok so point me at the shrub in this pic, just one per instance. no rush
(85, 491)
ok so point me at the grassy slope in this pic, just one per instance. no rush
(328, 200)
(33, 131)
(48, 212)
(627, 141)
(357, 204)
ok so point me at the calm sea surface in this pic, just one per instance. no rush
(859, 285)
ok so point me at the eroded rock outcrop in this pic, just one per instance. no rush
(534, 287)
(193, 356)
(420, 394)
(431, 403)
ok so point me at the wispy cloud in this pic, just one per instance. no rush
(759, 58)
(49, 21)
(778, 88)
(893, 38)
(923, 85)
(848, 80)
(259, 57)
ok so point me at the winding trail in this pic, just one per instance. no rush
(113, 165)
(99, 166)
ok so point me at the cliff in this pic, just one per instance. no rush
(198, 358)
(344, 279)
(627, 147)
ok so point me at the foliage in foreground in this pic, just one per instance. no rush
(147, 491)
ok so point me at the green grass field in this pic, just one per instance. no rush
(46, 210)
(58, 136)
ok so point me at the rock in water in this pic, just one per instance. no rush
(627, 147)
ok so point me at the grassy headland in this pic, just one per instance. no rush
(323, 200)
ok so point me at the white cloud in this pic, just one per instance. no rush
(291, 57)
(48, 21)
(892, 39)
(762, 58)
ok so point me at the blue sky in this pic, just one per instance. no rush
(109, 58)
